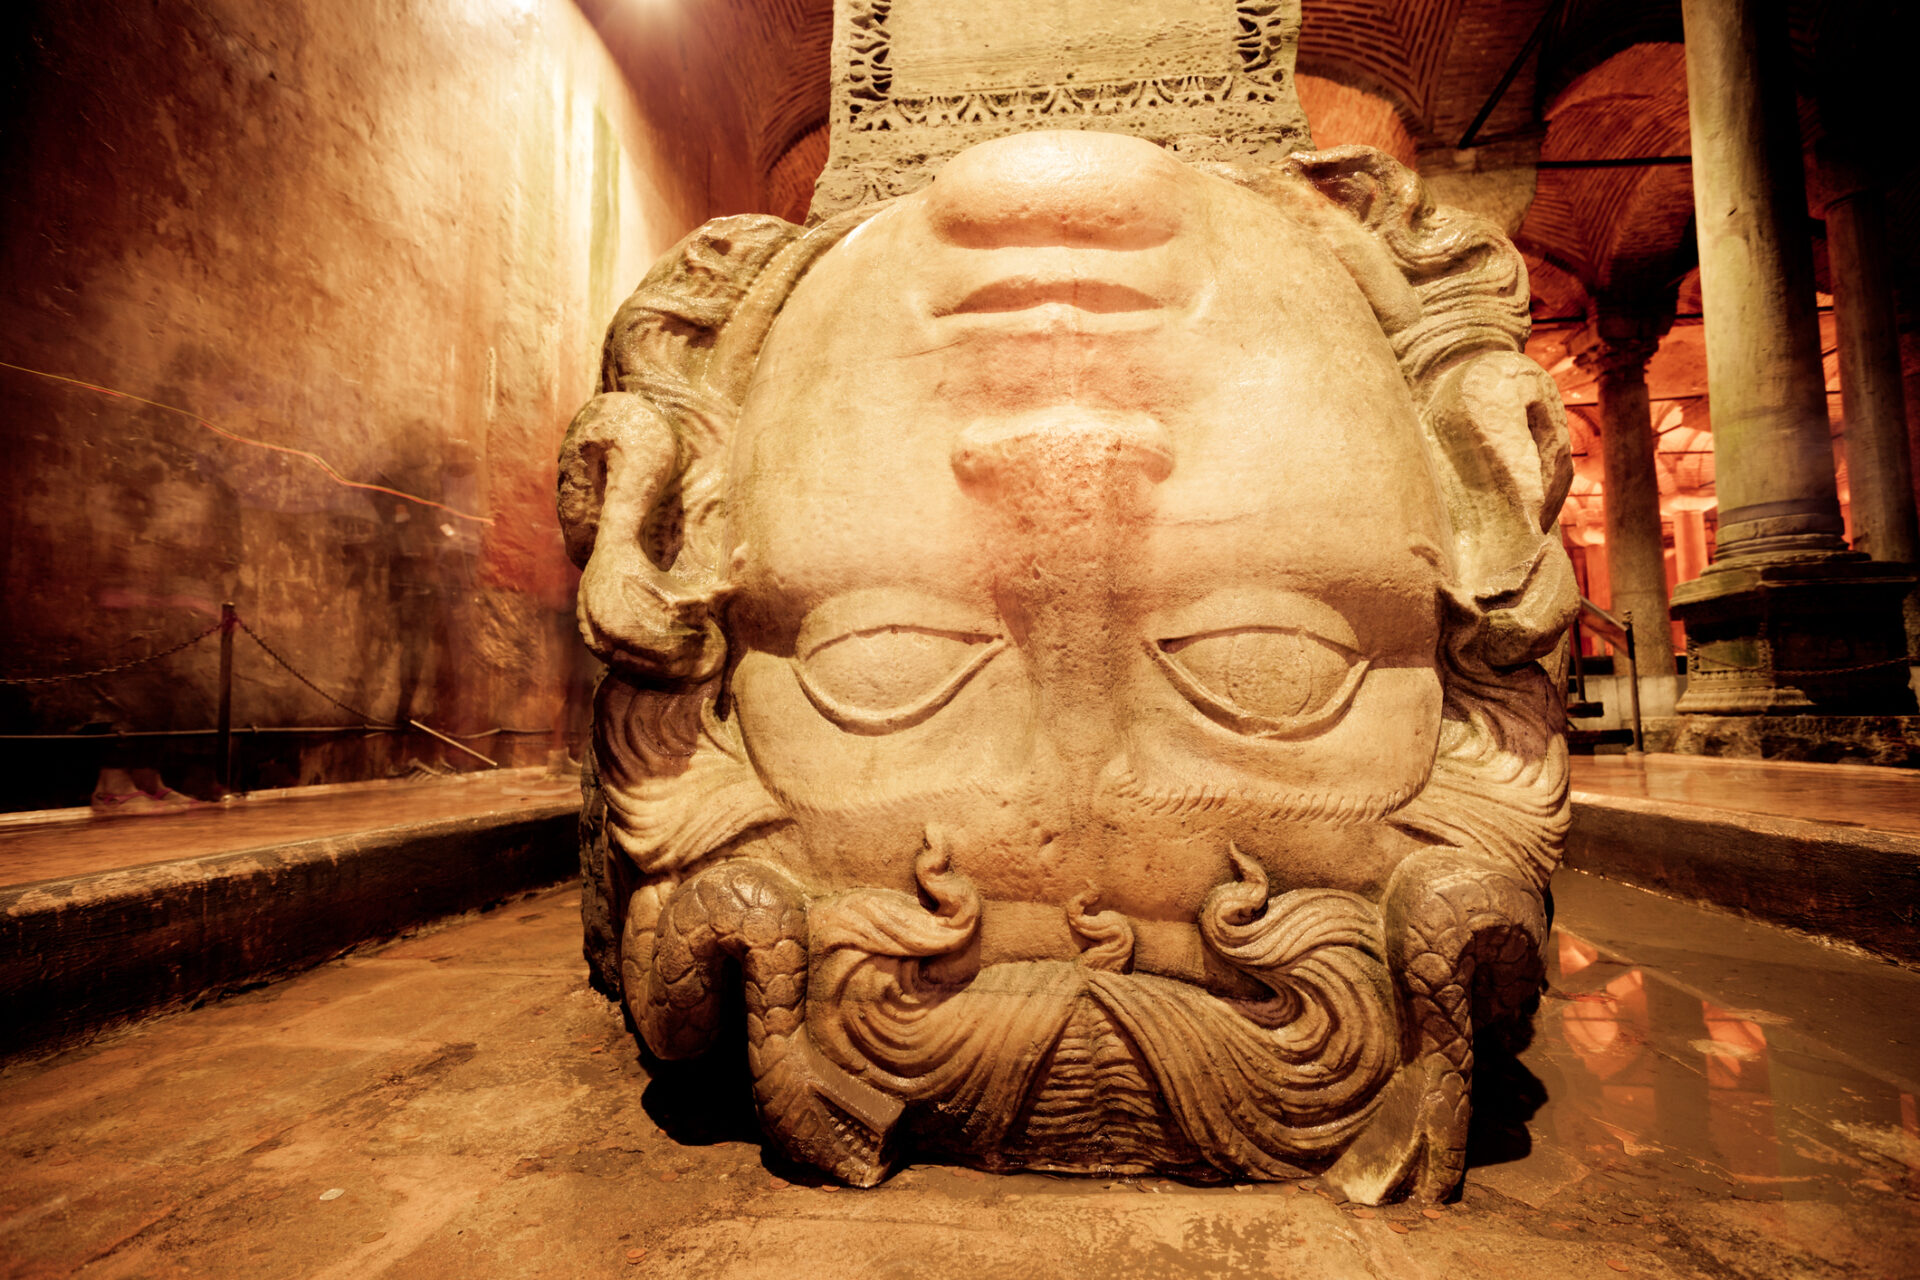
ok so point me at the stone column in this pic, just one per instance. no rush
(1879, 454)
(1689, 543)
(1860, 82)
(1786, 619)
(1772, 459)
(1878, 460)
(1636, 555)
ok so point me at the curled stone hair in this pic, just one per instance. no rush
(1455, 303)
(651, 448)
(1469, 280)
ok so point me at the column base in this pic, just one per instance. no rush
(1887, 741)
(1819, 634)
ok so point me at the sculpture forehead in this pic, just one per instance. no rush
(1085, 273)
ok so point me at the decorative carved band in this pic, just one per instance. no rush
(1264, 76)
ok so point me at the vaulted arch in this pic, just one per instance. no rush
(1620, 230)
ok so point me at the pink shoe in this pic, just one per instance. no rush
(117, 795)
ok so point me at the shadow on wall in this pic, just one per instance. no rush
(292, 220)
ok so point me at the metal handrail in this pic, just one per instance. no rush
(1618, 633)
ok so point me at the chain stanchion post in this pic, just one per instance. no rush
(1633, 681)
(224, 727)
(1579, 667)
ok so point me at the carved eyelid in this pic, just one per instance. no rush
(884, 611)
(1278, 613)
(877, 609)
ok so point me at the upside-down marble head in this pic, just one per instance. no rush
(1080, 641)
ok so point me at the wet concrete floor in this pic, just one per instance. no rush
(1705, 1097)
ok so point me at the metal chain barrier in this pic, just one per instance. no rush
(115, 669)
(295, 673)
(230, 621)
(1718, 668)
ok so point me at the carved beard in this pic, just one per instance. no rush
(1057, 1065)
(1362, 1052)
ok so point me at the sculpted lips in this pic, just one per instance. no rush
(1022, 293)
(1036, 234)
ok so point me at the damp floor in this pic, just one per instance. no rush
(45, 846)
(72, 842)
(1704, 1097)
(1855, 795)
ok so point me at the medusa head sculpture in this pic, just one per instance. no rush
(1081, 644)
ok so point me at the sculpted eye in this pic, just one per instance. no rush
(1268, 682)
(884, 679)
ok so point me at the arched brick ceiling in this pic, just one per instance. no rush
(801, 35)
(1589, 32)
(1620, 231)
(758, 70)
(1482, 42)
(1340, 114)
(789, 180)
(1557, 292)
(745, 82)
(738, 89)
(749, 78)
(1397, 45)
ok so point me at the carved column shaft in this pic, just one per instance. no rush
(1786, 619)
(1636, 555)
(1879, 462)
(1772, 460)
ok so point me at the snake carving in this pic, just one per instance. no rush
(1082, 661)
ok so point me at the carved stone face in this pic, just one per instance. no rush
(1077, 638)
(1080, 508)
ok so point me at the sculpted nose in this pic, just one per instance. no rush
(1067, 462)
(1092, 190)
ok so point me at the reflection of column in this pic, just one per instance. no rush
(1786, 618)
(1636, 559)
(1682, 1106)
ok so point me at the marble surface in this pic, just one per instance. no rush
(1072, 558)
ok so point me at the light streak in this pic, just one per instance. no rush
(224, 434)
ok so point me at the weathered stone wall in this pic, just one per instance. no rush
(388, 234)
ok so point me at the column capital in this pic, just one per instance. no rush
(1624, 335)
(1837, 178)
(1626, 357)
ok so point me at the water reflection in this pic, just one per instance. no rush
(1640, 1067)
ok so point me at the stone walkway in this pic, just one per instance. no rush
(1857, 795)
(1705, 1098)
(71, 842)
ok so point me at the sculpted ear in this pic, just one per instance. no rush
(1501, 438)
(643, 472)
(620, 463)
